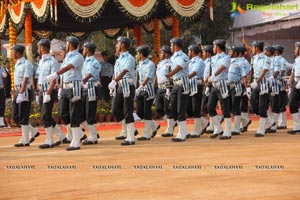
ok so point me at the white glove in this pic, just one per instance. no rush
(112, 93)
(46, 98)
(212, 78)
(59, 93)
(37, 99)
(51, 77)
(248, 92)
(271, 78)
(112, 85)
(20, 98)
(298, 85)
(168, 94)
(253, 85)
(164, 79)
(206, 91)
(138, 90)
(74, 99)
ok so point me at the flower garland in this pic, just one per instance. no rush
(40, 9)
(12, 41)
(175, 27)
(112, 33)
(167, 22)
(85, 11)
(137, 33)
(137, 10)
(43, 34)
(149, 26)
(17, 14)
(187, 10)
(3, 21)
(156, 41)
(79, 35)
(28, 35)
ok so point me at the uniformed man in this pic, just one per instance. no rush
(23, 95)
(3, 76)
(219, 91)
(295, 91)
(123, 87)
(162, 103)
(283, 97)
(145, 92)
(274, 78)
(70, 100)
(245, 121)
(196, 74)
(107, 71)
(181, 89)
(260, 87)
(237, 83)
(47, 92)
(90, 73)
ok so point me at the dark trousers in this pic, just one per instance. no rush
(294, 99)
(143, 106)
(275, 103)
(123, 107)
(235, 102)
(89, 108)
(194, 103)
(2, 102)
(259, 103)
(244, 103)
(204, 101)
(104, 91)
(69, 112)
(46, 109)
(179, 102)
(283, 101)
(214, 97)
(21, 111)
(162, 104)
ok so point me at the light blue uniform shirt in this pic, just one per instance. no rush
(107, 69)
(146, 69)
(1, 76)
(125, 61)
(260, 62)
(76, 59)
(282, 63)
(163, 68)
(207, 63)
(296, 67)
(198, 66)
(23, 69)
(36, 70)
(91, 66)
(274, 66)
(219, 60)
(236, 70)
(246, 65)
(47, 65)
(181, 59)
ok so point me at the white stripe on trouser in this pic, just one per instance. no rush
(182, 130)
(58, 132)
(264, 89)
(238, 88)
(91, 92)
(44, 88)
(186, 85)
(237, 122)
(76, 89)
(193, 86)
(124, 128)
(49, 136)
(32, 130)
(197, 126)
(275, 88)
(295, 117)
(130, 132)
(216, 123)
(93, 132)
(275, 119)
(25, 134)
(150, 90)
(170, 127)
(125, 88)
(76, 137)
(262, 123)
(69, 132)
(227, 131)
(147, 129)
(282, 119)
(223, 89)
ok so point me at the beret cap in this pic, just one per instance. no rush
(18, 47)
(73, 40)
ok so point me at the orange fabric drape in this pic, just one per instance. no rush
(137, 32)
(156, 41)
(12, 40)
(175, 27)
(28, 35)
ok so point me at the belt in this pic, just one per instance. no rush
(200, 81)
(162, 86)
(68, 85)
(40, 86)
(95, 84)
(178, 82)
(18, 87)
(217, 84)
(129, 80)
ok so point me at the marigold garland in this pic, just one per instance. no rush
(175, 27)
(156, 40)
(12, 41)
(28, 35)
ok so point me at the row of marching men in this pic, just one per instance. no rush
(181, 79)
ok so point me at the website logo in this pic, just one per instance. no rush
(236, 10)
